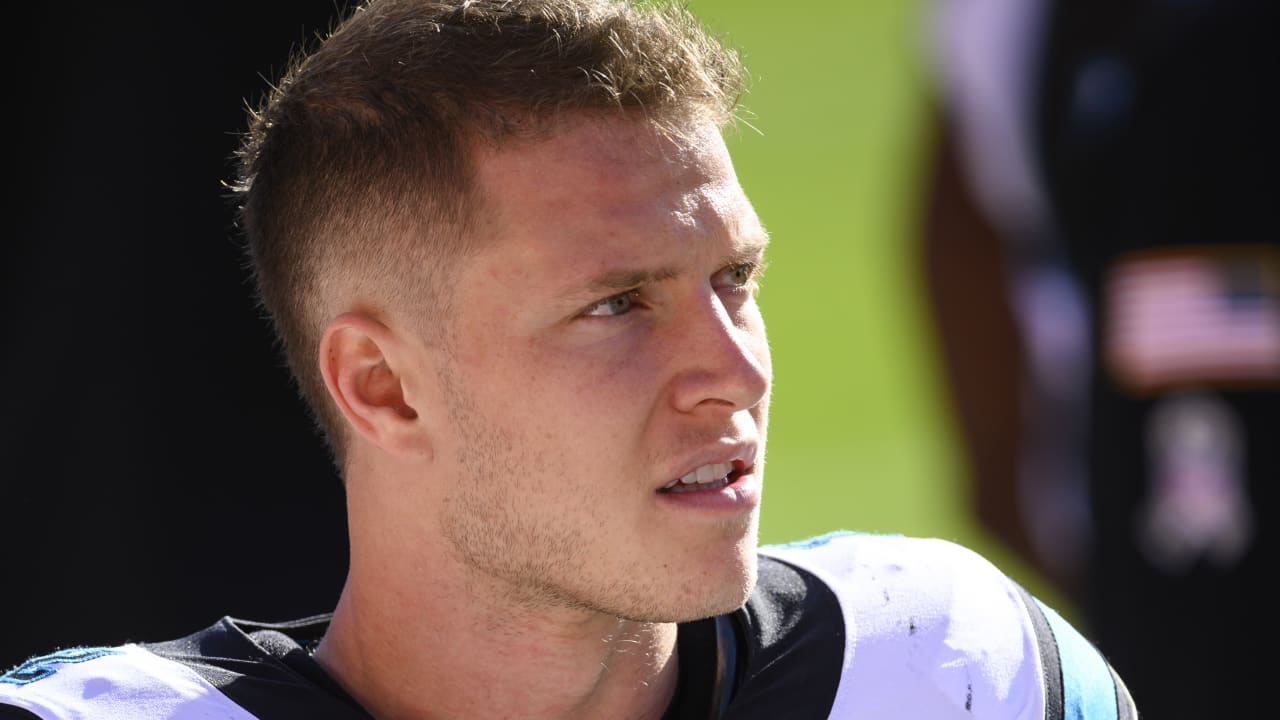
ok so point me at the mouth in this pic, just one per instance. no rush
(713, 476)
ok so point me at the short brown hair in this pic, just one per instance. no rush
(355, 175)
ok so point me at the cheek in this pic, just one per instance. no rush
(594, 400)
(569, 396)
(614, 379)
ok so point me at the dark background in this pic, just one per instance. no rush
(144, 408)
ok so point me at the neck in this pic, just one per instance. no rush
(437, 642)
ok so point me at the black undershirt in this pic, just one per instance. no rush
(781, 656)
(696, 650)
(695, 647)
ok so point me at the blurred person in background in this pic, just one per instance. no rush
(1101, 234)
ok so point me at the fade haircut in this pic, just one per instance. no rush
(355, 183)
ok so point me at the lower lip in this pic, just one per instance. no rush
(741, 495)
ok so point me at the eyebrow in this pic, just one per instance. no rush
(625, 279)
(620, 280)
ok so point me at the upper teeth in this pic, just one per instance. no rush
(705, 474)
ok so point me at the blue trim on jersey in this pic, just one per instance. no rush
(39, 668)
(1088, 692)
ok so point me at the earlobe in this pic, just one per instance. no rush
(362, 363)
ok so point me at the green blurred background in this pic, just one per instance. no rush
(839, 121)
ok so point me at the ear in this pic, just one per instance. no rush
(362, 362)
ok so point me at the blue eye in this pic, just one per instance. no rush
(737, 276)
(619, 304)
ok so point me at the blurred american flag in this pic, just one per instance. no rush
(1199, 316)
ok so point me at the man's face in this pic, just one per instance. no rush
(607, 343)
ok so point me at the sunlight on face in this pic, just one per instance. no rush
(609, 344)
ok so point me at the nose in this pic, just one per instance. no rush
(723, 363)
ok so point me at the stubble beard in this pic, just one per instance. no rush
(536, 562)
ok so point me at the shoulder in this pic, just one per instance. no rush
(932, 629)
(122, 681)
(232, 670)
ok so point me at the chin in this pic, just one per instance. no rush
(721, 591)
(725, 584)
(735, 594)
(725, 603)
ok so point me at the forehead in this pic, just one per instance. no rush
(612, 190)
